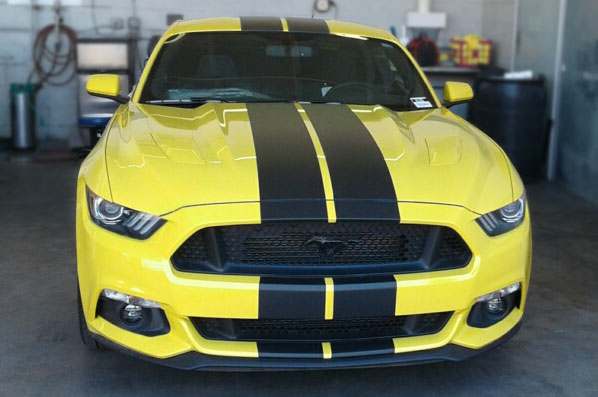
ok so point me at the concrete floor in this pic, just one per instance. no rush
(555, 353)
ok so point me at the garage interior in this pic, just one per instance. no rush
(546, 50)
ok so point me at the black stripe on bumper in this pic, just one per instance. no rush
(307, 25)
(362, 348)
(281, 298)
(290, 350)
(342, 349)
(261, 24)
(364, 297)
(289, 174)
(357, 167)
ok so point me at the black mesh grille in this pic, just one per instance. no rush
(192, 251)
(321, 330)
(452, 247)
(297, 244)
(319, 248)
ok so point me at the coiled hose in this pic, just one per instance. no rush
(50, 63)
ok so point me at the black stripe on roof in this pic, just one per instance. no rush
(261, 24)
(307, 25)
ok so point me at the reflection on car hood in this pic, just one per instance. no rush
(222, 153)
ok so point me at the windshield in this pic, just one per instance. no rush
(195, 68)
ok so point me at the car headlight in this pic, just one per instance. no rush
(503, 219)
(122, 220)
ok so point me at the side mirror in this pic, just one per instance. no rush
(456, 93)
(105, 86)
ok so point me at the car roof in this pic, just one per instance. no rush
(291, 24)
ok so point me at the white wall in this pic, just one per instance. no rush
(57, 115)
(498, 24)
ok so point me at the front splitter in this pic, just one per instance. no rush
(206, 362)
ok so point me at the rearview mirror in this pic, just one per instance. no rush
(105, 86)
(456, 93)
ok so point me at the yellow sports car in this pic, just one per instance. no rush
(290, 193)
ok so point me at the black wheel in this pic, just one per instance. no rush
(86, 337)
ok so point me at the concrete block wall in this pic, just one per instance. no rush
(498, 24)
(57, 114)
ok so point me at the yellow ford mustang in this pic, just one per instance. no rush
(290, 193)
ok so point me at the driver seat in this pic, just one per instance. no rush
(216, 67)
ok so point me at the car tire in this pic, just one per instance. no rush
(86, 337)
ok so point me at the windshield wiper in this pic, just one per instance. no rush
(195, 101)
(184, 102)
(270, 101)
(200, 99)
(323, 102)
(403, 108)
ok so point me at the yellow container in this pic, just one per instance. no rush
(471, 51)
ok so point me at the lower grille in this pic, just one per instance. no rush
(316, 330)
(321, 249)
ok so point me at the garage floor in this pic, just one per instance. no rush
(555, 353)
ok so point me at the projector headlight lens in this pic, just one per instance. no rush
(503, 219)
(107, 212)
(120, 219)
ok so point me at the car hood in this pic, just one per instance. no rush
(161, 158)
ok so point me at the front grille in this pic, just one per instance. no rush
(320, 249)
(321, 330)
(365, 243)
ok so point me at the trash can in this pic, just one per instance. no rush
(22, 112)
(513, 112)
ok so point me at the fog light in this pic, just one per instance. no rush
(495, 306)
(132, 314)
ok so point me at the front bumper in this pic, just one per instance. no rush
(143, 268)
(198, 361)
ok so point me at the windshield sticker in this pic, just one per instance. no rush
(421, 102)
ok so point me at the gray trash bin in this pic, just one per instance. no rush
(22, 112)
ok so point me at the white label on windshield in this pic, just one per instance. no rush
(421, 102)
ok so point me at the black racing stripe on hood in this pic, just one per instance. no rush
(261, 24)
(289, 175)
(361, 182)
(307, 25)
